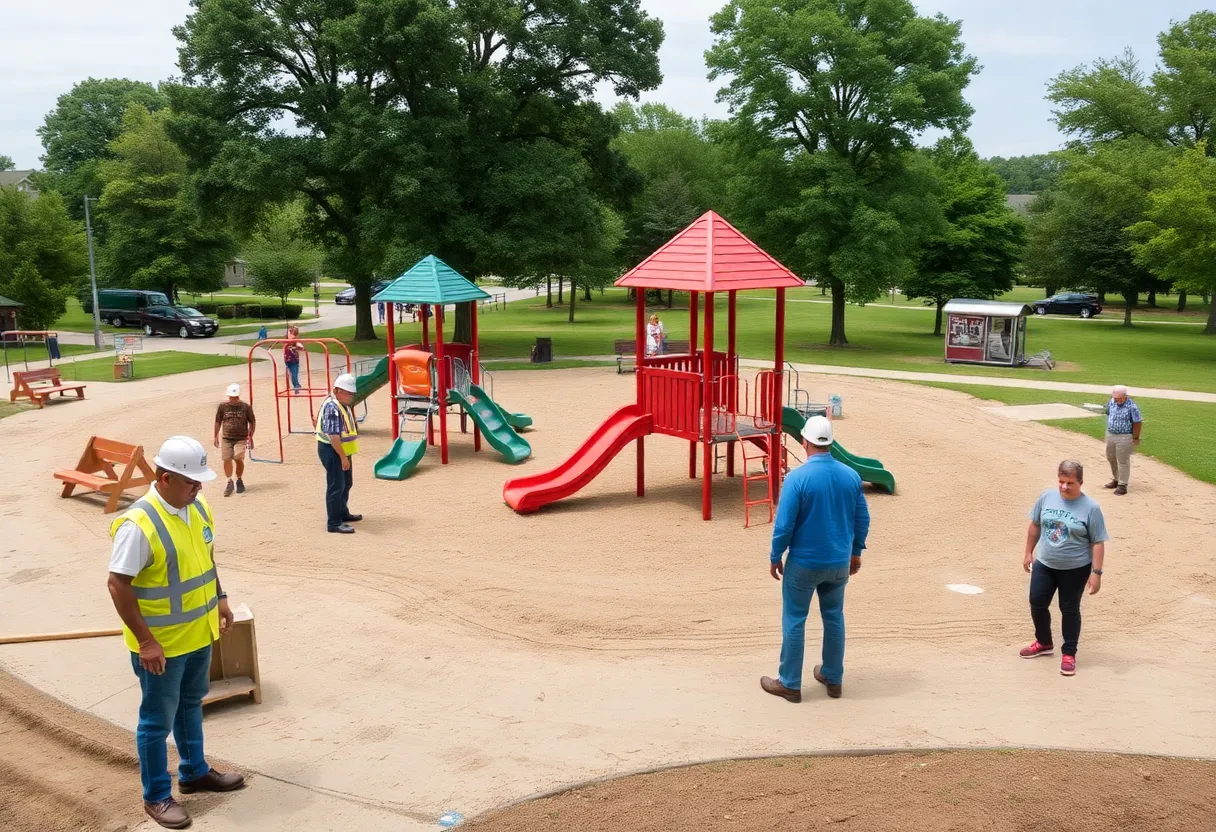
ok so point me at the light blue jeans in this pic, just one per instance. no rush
(294, 368)
(797, 586)
(173, 700)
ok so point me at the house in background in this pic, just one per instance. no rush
(19, 179)
(234, 273)
(8, 314)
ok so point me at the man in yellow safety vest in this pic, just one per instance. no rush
(337, 434)
(165, 588)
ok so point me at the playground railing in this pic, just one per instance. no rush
(673, 398)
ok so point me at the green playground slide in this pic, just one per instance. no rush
(519, 421)
(400, 461)
(369, 383)
(870, 470)
(488, 416)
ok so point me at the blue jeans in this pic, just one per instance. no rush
(294, 368)
(172, 701)
(797, 586)
(337, 486)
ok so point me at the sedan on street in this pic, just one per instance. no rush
(347, 296)
(182, 321)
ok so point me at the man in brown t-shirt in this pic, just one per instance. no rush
(234, 424)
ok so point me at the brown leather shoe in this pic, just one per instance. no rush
(774, 687)
(1112, 484)
(169, 814)
(834, 691)
(213, 781)
(1121, 490)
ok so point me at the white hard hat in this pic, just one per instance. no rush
(185, 456)
(234, 390)
(818, 431)
(346, 382)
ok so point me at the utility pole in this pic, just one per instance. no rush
(88, 226)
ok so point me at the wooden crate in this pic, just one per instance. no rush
(234, 661)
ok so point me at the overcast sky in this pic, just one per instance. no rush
(49, 45)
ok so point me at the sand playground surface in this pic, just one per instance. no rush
(453, 655)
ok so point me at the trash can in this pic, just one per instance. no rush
(123, 370)
(52, 347)
(542, 353)
(837, 406)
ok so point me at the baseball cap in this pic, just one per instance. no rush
(234, 390)
(818, 431)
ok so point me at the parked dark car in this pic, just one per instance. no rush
(181, 321)
(122, 307)
(1068, 303)
(347, 296)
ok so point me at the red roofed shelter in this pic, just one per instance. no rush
(698, 395)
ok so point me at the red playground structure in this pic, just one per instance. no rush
(285, 394)
(697, 396)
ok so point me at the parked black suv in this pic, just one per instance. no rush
(182, 321)
(347, 296)
(1068, 303)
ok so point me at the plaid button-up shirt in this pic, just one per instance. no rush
(1121, 417)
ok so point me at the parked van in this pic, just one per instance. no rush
(122, 307)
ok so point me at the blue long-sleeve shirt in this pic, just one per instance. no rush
(822, 518)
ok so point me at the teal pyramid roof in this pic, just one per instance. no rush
(430, 281)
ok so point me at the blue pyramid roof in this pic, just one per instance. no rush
(430, 281)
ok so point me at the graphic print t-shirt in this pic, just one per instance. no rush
(1068, 529)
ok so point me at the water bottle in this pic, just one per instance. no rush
(450, 819)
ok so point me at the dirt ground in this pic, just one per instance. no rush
(455, 656)
(996, 791)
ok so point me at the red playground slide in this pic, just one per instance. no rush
(527, 494)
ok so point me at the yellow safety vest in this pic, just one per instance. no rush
(177, 589)
(350, 428)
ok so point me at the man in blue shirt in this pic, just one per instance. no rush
(1123, 423)
(822, 520)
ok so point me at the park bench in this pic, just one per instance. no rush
(40, 385)
(96, 471)
(627, 348)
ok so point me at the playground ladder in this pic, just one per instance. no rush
(754, 453)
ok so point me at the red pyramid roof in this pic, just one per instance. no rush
(711, 255)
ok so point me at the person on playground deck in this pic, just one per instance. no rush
(823, 520)
(656, 336)
(291, 357)
(235, 420)
(165, 587)
(1070, 533)
(337, 441)
(1123, 425)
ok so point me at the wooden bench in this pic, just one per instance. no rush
(95, 471)
(627, 348)
(40, 385)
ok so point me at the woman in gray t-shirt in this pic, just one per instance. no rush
(1069, 532)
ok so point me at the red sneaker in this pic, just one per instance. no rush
(1035, 650)
(1068, 666)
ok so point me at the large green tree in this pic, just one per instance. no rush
(1177, 239)
(1081, 238)
(835, 92)
(42, 255)
(1026, 174)
(77, 134)
(976, 249)
(399, 119)
(155, 235)
(6, 162)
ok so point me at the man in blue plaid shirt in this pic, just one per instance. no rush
(337, 435)
(1123, 424)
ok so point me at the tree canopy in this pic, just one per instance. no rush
(826, 99)
(415, 125)
(155, 236)
(1026, 174)
(42, 255)
(77, 134)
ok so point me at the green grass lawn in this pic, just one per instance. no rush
(11, 409)
(16, 357)
(148, 365)
(75, 319)
(1092, 352)
(1176, 433)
